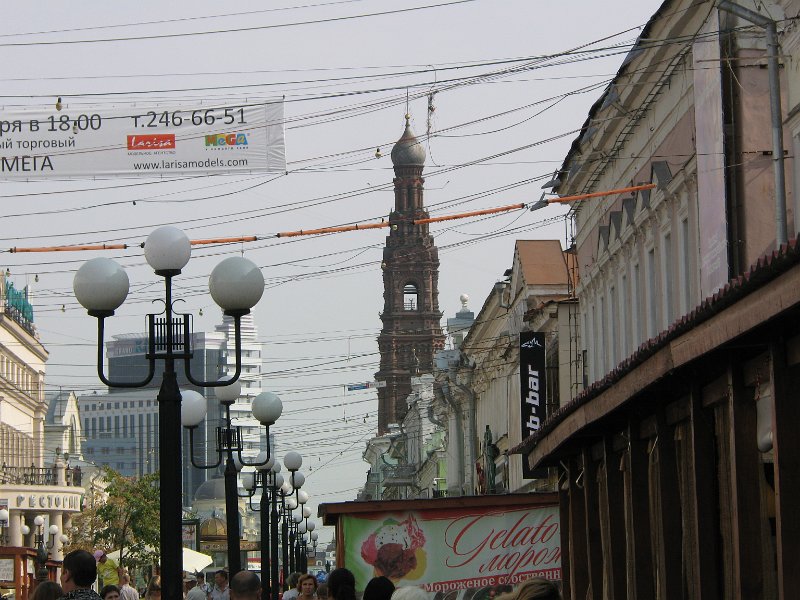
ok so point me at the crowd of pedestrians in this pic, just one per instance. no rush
(80, 571)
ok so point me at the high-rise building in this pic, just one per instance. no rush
(121, 427)
(411, 332)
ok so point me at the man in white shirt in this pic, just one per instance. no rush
(292, 592)
(126, 591)
(194, 592)
(221, 590)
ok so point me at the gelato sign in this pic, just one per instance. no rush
(454, 548)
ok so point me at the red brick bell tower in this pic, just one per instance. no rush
(412, 331)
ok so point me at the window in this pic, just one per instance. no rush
(86, 424)
(116, 405)
(651, 293)
(601, 334)
(613, 325)
(636, 307)
(623, 316)
(125, 425)
(124, 405)
(94, 426)
(668, 280)
(410, 297)
(94, 407)
(686, 284)
(116, 426)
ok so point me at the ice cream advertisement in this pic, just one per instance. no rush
(454, 549)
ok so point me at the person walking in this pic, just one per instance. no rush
(109, 592)
(126, 591)
(221, 590)
(46, 590)
(307, 585)
(341, 585)
(107, 569)
(292, 592)
(203, 584)
(245, 585)
(378, 588)
(78, 573)
(535, 588)
(195, 592)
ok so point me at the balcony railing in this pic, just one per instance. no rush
(38, 476)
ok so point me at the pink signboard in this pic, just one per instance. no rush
(486, 549)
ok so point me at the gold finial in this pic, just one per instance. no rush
(408, 119)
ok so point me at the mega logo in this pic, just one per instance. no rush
(226, 139)
(151, 141)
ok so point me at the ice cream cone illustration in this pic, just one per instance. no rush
(395, 549)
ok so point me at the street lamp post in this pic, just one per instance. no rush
(43, 548)
(285, 492)
(293, 461)
(262, 480)
(4, 516)
(277, 484)
(314, 537)
(101, 286)
(267, 408)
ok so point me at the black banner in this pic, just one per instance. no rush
(533, 391)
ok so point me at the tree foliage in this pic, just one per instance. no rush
(125, 518)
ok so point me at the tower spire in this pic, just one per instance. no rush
(411, 332)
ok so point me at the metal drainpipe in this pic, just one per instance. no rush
(771, 30)
(459, 433)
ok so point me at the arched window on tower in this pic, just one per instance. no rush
(410, 297)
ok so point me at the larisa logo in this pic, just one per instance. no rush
(226, 139)
(532, 343)
(152, 141)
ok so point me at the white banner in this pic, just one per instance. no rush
(148, 141)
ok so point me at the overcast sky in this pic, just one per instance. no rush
(345, 81)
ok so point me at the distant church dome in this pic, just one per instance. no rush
(408, 151)
(213, 529)
(212, 489)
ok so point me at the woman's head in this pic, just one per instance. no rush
(536, 588)
(153, 591)
(378, 588)
(307, 584)
(47, 590)
(110, 592)
(341, 585)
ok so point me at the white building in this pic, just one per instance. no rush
(31, 483)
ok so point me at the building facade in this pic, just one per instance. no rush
(32, 482)
(677, 461)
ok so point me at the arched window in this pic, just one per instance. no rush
(410, 297)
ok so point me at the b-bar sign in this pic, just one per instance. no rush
(533, 391)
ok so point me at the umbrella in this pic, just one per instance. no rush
(193, 561)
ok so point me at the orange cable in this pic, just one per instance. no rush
(473, 213)
(634, 188)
